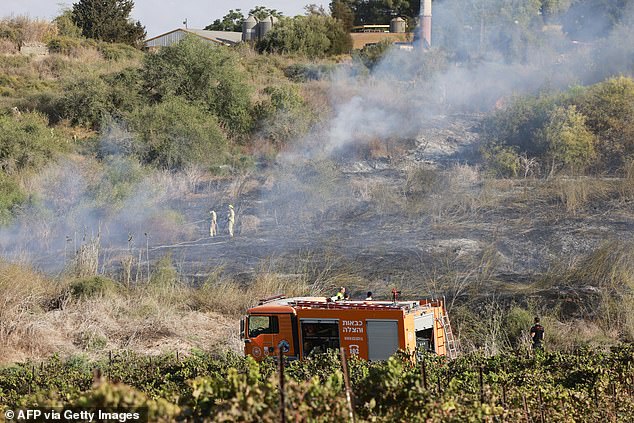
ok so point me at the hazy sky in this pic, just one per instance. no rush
(160, 16)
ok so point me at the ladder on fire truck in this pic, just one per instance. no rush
(450, 341)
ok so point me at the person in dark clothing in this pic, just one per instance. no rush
(537, 335)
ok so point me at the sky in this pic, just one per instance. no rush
(160, 16)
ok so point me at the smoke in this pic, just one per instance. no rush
(314, 198)
(113, 198)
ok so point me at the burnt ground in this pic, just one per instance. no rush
(373, 227)
(412, 219)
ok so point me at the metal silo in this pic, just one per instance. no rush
(249, 29)
(264, 27)
(398, 25)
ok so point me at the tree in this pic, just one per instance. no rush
(66, 26)
(261, 12)
(313, 36)
(343, 13)
(203, 73)
(588, 20)
(108, 20)
(232, 21)
(175, 133)
(379, 11)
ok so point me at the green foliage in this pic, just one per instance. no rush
(202, 73)
(91, 100)
(609, 107)
(343, 13)
(262, 12)
(303, 72)
(284, 115)
(117, 51)
(570, 143)
(27, 142)
(577, 129)
(557, 386)
(85, 101)
(502, 161)
(232, 21)
(92, 286)
(66, 26)
(312, 36)
(67, 45)
(108, 20)
(175, 133)
(378, 11)
(371, 55)
(120, 177)
(11, 196)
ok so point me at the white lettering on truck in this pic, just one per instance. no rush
(352, 326)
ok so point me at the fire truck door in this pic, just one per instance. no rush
(266, 332)
(262, 330)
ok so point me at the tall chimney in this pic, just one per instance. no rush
(425, 19)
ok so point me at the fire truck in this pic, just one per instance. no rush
(372, 330)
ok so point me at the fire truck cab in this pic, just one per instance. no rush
(372, 330)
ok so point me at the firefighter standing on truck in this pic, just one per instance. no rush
(537, 335)
(231, 220)
(340, 295)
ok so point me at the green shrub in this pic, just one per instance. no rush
(117, 51)
(577, 129)
(570, 143)
(312, 36)
(69, 46)
(85, 101)
(92, 286)
(502, 161)
(284, 115)
(208, 75)
(175, 133)
(11, 196)
(372, 54)
(303, 72)
(120, 177)
(609, 107)
(27, 142)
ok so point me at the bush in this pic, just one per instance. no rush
(303, 72)
(70, 46)
(502, 161)
(85, 101)
(312, 36)
(89, 100)
(11, 196)
(372, 54)
(118, 181)
(174, 134)
(284, 115)
(609, 107)
(92, 287)
(570, 143)
(201, 73)
(580, 128)
(116, 52)
(26, 142)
